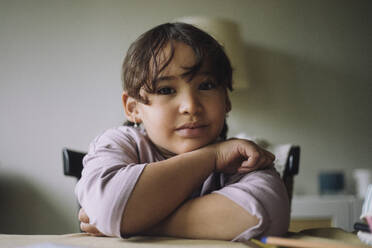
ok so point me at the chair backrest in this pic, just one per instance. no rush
(291, 169)
(72, 162)
(73, 165)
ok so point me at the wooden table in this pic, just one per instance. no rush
(82, 240)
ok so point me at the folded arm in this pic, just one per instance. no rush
(107, 189)
(164, 185)
(212, 216)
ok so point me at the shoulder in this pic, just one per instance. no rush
(121, 136)
(125, 141)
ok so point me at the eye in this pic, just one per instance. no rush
(165, 91)
(207, 85)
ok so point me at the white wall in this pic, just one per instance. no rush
(309, 63)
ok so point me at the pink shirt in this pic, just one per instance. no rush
(117, 158)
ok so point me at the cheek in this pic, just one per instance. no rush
(217, 115)
(221, 108)
(218, 107)
(155, 116)
(217, 112)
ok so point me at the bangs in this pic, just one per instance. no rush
(162, 56)
(153, 51)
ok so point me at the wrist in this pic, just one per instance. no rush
(210, 153)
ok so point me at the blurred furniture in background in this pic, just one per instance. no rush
(316, 211)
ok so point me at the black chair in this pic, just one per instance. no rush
(291, 170)
(72, 162)
(73, 165)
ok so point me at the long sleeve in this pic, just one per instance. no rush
(112, 167)
(117, 158)
(263, 194)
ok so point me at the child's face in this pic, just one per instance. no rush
(184, 115)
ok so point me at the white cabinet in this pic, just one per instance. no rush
(321, 211)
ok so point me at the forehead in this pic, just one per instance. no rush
(176, 57)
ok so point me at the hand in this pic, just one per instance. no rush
(85, 226)
(242, 156)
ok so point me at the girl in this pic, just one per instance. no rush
(176, 174)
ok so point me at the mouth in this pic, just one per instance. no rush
(191, 126)
(191, 130)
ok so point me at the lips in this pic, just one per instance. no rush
(191, 130)
(191, 126)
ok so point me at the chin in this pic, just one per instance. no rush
(191, 147)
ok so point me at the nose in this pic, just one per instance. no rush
(190, 103)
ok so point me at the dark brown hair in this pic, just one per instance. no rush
(141, 65)
(141, 68)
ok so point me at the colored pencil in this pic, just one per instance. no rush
(287, 242)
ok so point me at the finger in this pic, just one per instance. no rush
(243, 170)
(252, 160)
(261, 162)
(266, 159)
(269, 163)
(90, 229)
(270, 155)
(83, 217)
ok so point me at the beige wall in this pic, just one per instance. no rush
(309, 64)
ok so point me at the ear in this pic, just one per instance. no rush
(131, 108)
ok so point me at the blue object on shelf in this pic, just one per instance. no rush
(331, 182)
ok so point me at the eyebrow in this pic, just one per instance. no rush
(183, 75)
(165, 78)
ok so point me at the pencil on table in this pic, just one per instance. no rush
(303, 243)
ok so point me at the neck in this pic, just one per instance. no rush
(166, 154)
